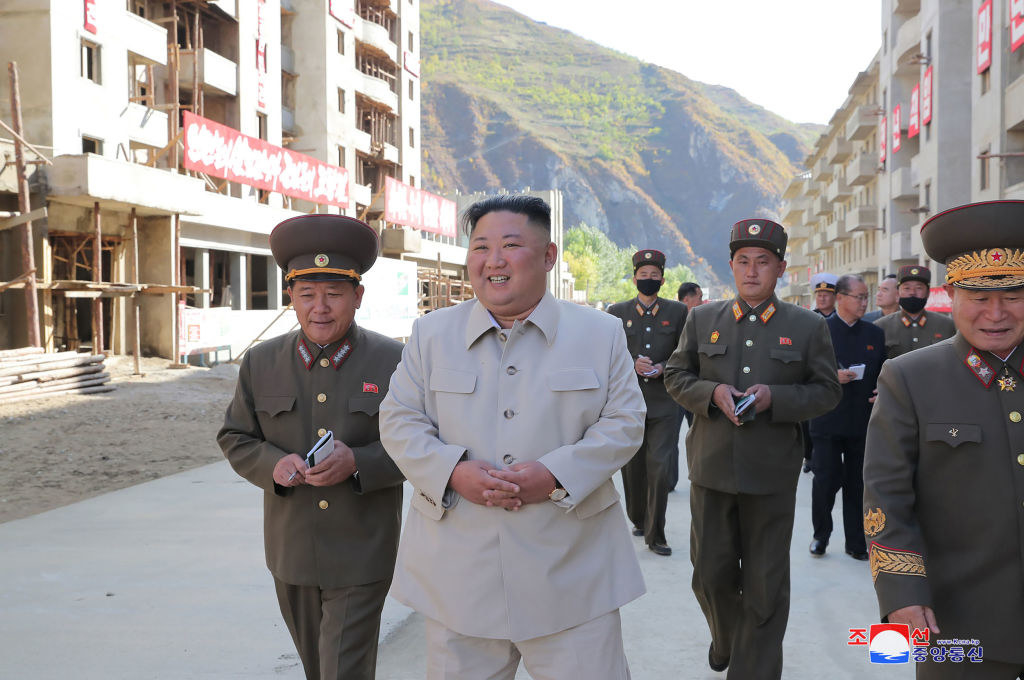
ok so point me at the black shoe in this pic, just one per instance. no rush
(818, 547)
(637, 531)
(807, 465)
(857, 555)
(660, 549)
(717, 666)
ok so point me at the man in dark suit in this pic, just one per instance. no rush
(887, 298)
(330, 530)
(944, 466)
(839, 434)
(653, 325)
(744, 467)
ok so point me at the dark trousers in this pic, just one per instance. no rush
(645, 478)
(987, 670)
(739, 547)
(335, 631)
(838, 463)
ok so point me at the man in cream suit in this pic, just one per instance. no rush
(509, 414)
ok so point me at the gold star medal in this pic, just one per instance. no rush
(1007, 383)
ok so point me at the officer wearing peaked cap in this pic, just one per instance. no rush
(653, 325)
(823, 285)
(911, 327)
(944, 470)
(331, 530)
(744, 468)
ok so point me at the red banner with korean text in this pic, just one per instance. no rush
(224, 152)
(897, 123)
(418, 209)
(261, 55)
(914, 122)
(926, 96)
(1016, 24)
(89, 23)
(883, 134)
(983, 48)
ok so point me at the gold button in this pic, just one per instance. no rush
(1020, 459)
(321, 398)
(751, 318)
(321, 432)
(325, 362)
(323, 505)
(1015, 416)
(750, 343)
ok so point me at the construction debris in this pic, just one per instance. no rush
(30, 373)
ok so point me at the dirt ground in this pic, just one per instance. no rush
(62, 449)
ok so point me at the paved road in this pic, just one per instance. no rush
(166, 580)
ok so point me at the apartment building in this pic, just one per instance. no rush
(180, 132)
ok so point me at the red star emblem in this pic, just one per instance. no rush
(997, 256)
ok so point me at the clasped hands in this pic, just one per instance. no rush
(484, 484)
(338, 466)
(724, 398)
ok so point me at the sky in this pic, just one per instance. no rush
(796, 58)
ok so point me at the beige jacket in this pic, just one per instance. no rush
(560, 390)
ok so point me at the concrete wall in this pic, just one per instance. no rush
(156, 258)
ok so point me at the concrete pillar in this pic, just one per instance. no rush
(273, 284)
(201, 267)
(239, 280)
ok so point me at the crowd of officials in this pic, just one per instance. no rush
(509, 415)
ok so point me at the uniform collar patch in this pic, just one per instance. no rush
(980, 368)
(768, 313)
(339, 357)
(737, 313)
(921, 320)
(305, 355)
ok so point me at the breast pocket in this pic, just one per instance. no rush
(573, 379)
(786, 365)
(712, 350)
(952, 434)
(276, 416)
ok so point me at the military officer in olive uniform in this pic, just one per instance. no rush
(653, 325)
(944, 465)
(911, 327)
(331, 530)
(744, 468)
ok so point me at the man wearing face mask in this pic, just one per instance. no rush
(653, 325)
(911, 327)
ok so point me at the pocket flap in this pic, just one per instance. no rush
(711, 349)
(786, 356)
(569, 379)
(367, 405)
(273, 405)
(953, 434)
(450, 380)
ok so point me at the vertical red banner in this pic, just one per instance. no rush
(261, 55)
(926, 96)
(883, 134)
(914, 122)
(984, 44)
(1016, 24)
(89, 23)
(897, 124)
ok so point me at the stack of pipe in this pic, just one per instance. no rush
(30, 373)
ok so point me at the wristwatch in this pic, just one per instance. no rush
(558, 493)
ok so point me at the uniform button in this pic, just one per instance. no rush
(1015, 416)
(647, 346)
(647, 380)
(509, 413)
(750, 343)
(915, 339)
(752, 318)
(321, 432)
(325, 362)
(1020, 459)
(321, 398)
(746, 369)
(503, 337)
(507, 459)
(648, 329)
(323, 505)
(511, 370)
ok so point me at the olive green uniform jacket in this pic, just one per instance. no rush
(944, 493)
(904, 334)
(289, 390)
(777, 344)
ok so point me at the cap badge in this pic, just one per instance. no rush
(321, 260)
(754, 229)
(915, 271)
(997, 257)
(714, 337)
(648, 256)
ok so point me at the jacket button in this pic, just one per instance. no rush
(648, 329)
(509, 413)
(325, 362)
(321, 432)
(503, 336)
(750, 343)
(508, 459)
(647, 380)
(321, 398)
(746, 369)
(1020, 459)
(647, 346)
(752, 318)
(1014, 416)
(323, 505)
(511, 370)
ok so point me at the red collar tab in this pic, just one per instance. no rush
(768, 313)
(342, 354)
(641, 311)
(921, 320)
(305, 355)
(980, 368)
(737, 313)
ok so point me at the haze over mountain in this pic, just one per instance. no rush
(642, 152)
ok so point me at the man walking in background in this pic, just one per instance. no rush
(887, 299)
(823, 285)
(690, 294)
(912, 327)
(653, 326)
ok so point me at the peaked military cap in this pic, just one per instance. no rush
(759, 234)
(642, 257)
(824, 281)
(981, 244)
(914, 272)
(324, 247)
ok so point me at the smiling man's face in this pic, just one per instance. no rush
(325, 309)
(989, 320)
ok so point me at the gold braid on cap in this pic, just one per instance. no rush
(321, 270)
(990, 268)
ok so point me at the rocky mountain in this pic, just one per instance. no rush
(645, 154)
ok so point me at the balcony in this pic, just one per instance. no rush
(377, 90)
(361, 141)
(862, 218)
(908, 40)
(822, 171)
(377, 37)
(361, 194)
(216, 73)
(864, 169)
(389, 153)
(1013, 105)
(796, 188)
(145, 125)
(838, 190)
(817, 241)
(839, 151)
(288, 60)
(902, 185)
(899, 247)
(794, 209)
(144, 38)
(820, 206)
(287, 119)
(837, 231)
(862, 123)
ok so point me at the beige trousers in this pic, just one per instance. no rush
(591, 650)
